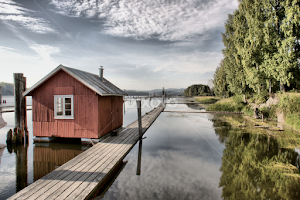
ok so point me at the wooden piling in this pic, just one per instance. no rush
(20, 104)
(9, 136)
(138, 103)
(163, 95)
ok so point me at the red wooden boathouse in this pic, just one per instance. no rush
(75, 104)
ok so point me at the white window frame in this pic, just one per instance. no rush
(64, 116)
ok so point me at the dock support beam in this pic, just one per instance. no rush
(138, 103)
(20, 104)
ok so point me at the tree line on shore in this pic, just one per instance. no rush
(7, 88)
(262, 43)
(198, 90)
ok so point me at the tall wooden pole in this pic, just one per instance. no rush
(18, 78)
(138, 103)
(163, 95)
(24, 112)
(20, 101)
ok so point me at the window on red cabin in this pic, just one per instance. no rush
(63, 107)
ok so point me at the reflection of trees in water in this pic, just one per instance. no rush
(221, 128)
(194, 106)
(254, 167)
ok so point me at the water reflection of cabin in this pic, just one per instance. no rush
(75, 104)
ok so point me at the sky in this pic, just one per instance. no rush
(142, 44)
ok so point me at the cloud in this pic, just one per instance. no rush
(166, 20)
(11, 11)
(45, 51)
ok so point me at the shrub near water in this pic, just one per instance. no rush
(290, 105)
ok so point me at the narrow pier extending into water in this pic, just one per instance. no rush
(80, 177)
(214, 112)
(28, 107)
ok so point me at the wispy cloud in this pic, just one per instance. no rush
(11, 11)
(177, 20)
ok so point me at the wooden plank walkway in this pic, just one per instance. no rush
(215, 112)
(81, 176)
(3, 109)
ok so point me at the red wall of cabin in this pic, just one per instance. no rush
(110, 113)
(85, 122)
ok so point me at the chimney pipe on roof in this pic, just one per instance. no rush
(101, 73)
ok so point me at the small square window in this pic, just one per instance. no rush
(63, 107)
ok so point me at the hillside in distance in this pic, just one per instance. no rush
(169, 91)
(7, 89)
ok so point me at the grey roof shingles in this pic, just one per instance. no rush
(92, 81)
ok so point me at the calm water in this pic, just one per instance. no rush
(185, 156)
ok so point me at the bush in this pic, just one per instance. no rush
(265, 111)
(260, 98)
(290, 105)
(247, 110)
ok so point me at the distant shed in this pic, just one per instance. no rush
(72, 103)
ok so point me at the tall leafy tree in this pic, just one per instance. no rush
(249, 42)
(235, 73)
(262, 43)
(220, 83)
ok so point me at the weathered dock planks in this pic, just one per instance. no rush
(214, 112)
(80, 177)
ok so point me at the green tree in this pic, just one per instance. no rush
(220, 83)
(197, 90)
(235, 74)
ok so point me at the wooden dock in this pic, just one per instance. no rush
(28, 107)
(213, 112)
(80, 177)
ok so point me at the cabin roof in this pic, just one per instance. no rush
(92, 81)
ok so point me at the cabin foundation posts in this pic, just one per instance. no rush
(138, 103)
(20, 107)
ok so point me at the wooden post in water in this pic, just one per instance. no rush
(20, 102)
(138, 103)
(163, 95)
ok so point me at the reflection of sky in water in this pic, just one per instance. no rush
(8, 160)
(178, 160)
(181, 157)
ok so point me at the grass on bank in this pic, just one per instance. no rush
(207, 99)
(289, 104)
(232, 104)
